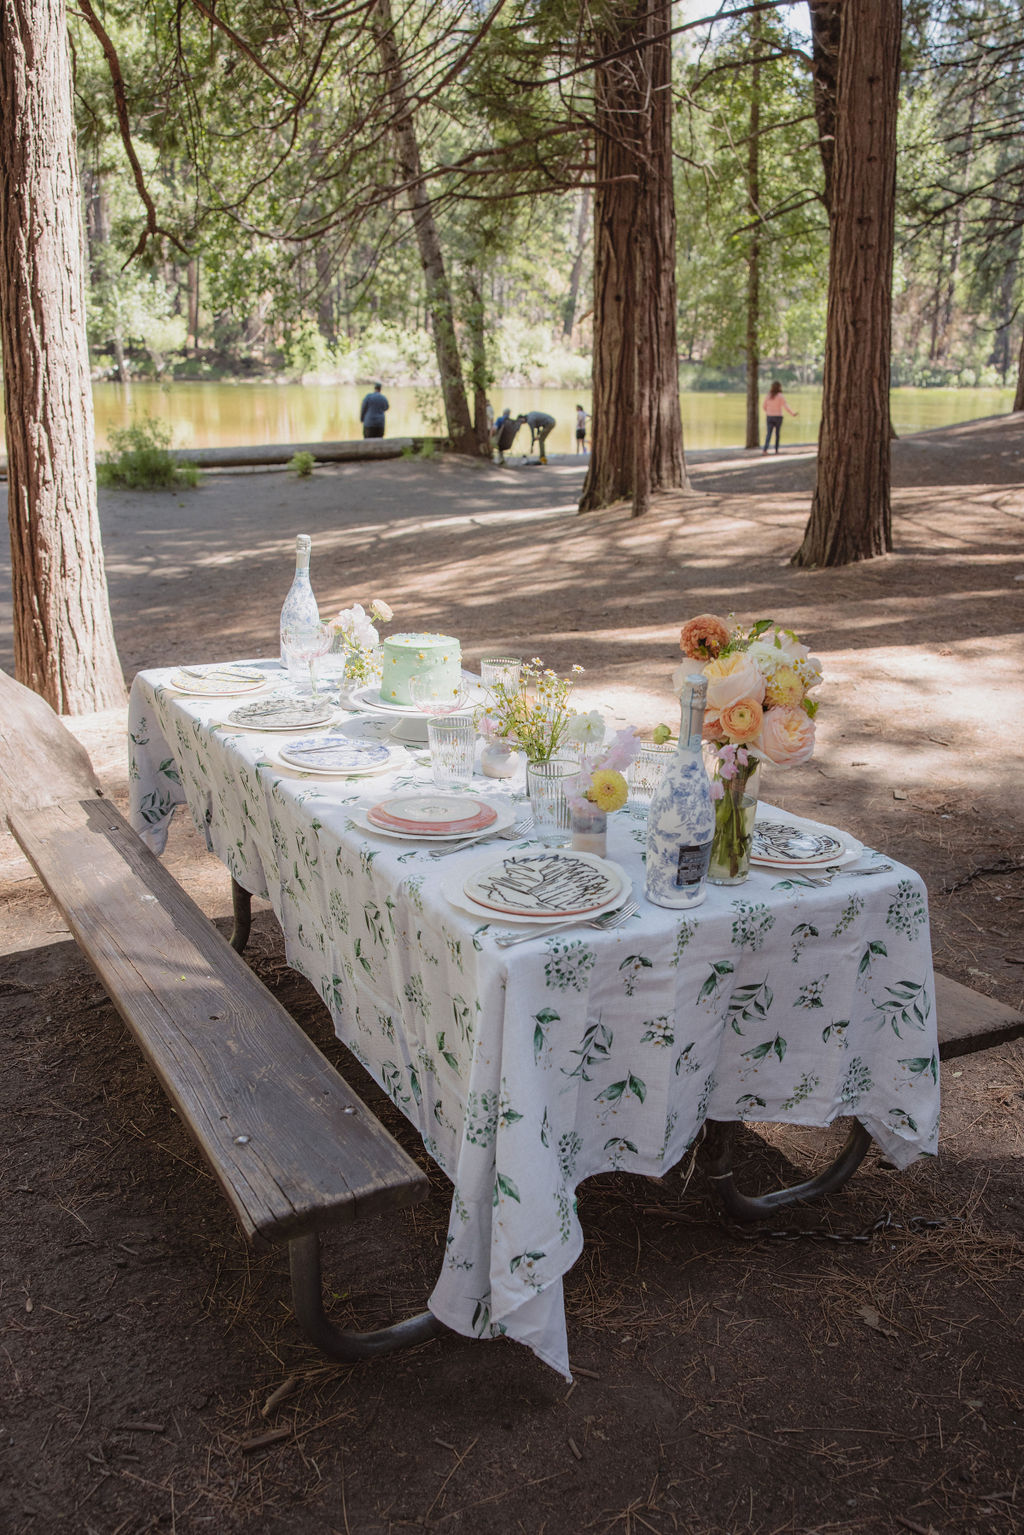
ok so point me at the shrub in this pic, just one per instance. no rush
(140, 459)
(302, 463)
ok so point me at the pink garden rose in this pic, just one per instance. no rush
(703, 637)
(731, 678)
(787, 736)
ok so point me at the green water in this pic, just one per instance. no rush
(229, 415)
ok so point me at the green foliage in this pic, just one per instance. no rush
(140, 459)
(302, 463)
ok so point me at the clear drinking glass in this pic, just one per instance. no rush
(644, 773)
(503, 669)
(435, 697)
(452, 740)
(547, 784)
(307, 640)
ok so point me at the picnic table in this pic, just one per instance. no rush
(528, 1069)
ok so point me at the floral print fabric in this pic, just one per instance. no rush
(529, 1069)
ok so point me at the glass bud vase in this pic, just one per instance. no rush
(735, 810)
(590, 830)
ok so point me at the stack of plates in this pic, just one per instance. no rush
(432, 817)
(556, 885)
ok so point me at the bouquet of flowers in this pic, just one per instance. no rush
(356, 638)
(601, 784)
(534, 714)
(757, 709)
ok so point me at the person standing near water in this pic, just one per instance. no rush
(581, 429)
(774, 405)
(540, 424)
(372, 412)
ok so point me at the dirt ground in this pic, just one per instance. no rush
(150, 1375)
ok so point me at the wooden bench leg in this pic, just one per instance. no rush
(307, 1298)
(717, 1152)
(241, 906)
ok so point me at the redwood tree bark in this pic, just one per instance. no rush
(851, 517)
(753, 435)
(1018, 398)
(439, 296)
(63, 636)
(637, 435)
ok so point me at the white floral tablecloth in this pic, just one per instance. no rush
(529, 1069)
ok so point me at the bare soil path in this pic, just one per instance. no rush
(724, 1383)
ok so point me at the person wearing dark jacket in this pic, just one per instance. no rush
(372, 412)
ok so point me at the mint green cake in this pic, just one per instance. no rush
(437, 656)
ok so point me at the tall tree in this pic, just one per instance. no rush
(63, 635)
(753, 424)
(637, 430)
(851, 516)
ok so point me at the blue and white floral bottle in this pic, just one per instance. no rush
(681, 823)
(299, 608)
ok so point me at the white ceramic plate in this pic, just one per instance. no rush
(413, 732)
(369, 698)
(339, 756)
(364, 727)
(451, 888)
(216, 683)
(506, 816)
(780, 843)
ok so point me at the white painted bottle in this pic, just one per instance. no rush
(681, 822)
(299, 606)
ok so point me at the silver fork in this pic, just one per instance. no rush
(829, 874)
(220, 671)
(609, 919)
(512, 833)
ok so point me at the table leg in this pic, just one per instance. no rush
(241, 906)
(335, 1342)
(717, 1153)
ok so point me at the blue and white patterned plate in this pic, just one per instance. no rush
(340, 754)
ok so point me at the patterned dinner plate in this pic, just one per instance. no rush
(277, 713)
(433, 815)
(504, 816)
(783, 845)
(219, 682)
(338, 754)
(452, 888)
(553, 883)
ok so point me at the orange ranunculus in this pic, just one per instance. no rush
(742, 721)
(731, 678)
(787, 736)
(712, 726)
(702, 638)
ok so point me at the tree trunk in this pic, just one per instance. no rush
(753, 439)
(851, 516)
(826, 30)
(192, 277)
(63, 637)
(1018, 398)
(439, 296)
(569, 311)
(478, 361)
(634, 265)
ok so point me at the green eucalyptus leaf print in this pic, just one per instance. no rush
(525, 1262)
(716, 979)
(593, 1049)
(339, 912)
(874, 950)
(568, 964)
(776, 1046)
(748, 1003)
(541, 1023)
(416, 996)
(545, 1129)
(856, 1083)
(848, 916)
(907, 912)
(748, 1104)
(616, 1091)
(447, 1055)
(569, 1147)
(801, 935)
(414, 1083)
(631, 969)
(481, 1118)
(908, 1004)
(507, 1186)
(482, 1316)
(751, 924)
(684, 934)
(838, 1027)
(917, 1065)
(803, 1090)
(899, 1119)
(361, 957)
(685, 1059)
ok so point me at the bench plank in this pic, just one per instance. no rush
(968, 1022)
(232, 1060)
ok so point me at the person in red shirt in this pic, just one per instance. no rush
(774, 405)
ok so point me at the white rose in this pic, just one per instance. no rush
(586, 728)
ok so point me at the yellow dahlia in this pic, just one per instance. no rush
(608, 789)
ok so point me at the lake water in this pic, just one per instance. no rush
(230, 415)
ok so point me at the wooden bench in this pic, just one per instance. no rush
(967, 1022)
(292, 1146)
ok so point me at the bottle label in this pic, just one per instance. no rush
(691, 866)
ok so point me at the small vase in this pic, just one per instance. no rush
(498, 760)
(734, 825)
(590, 830)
